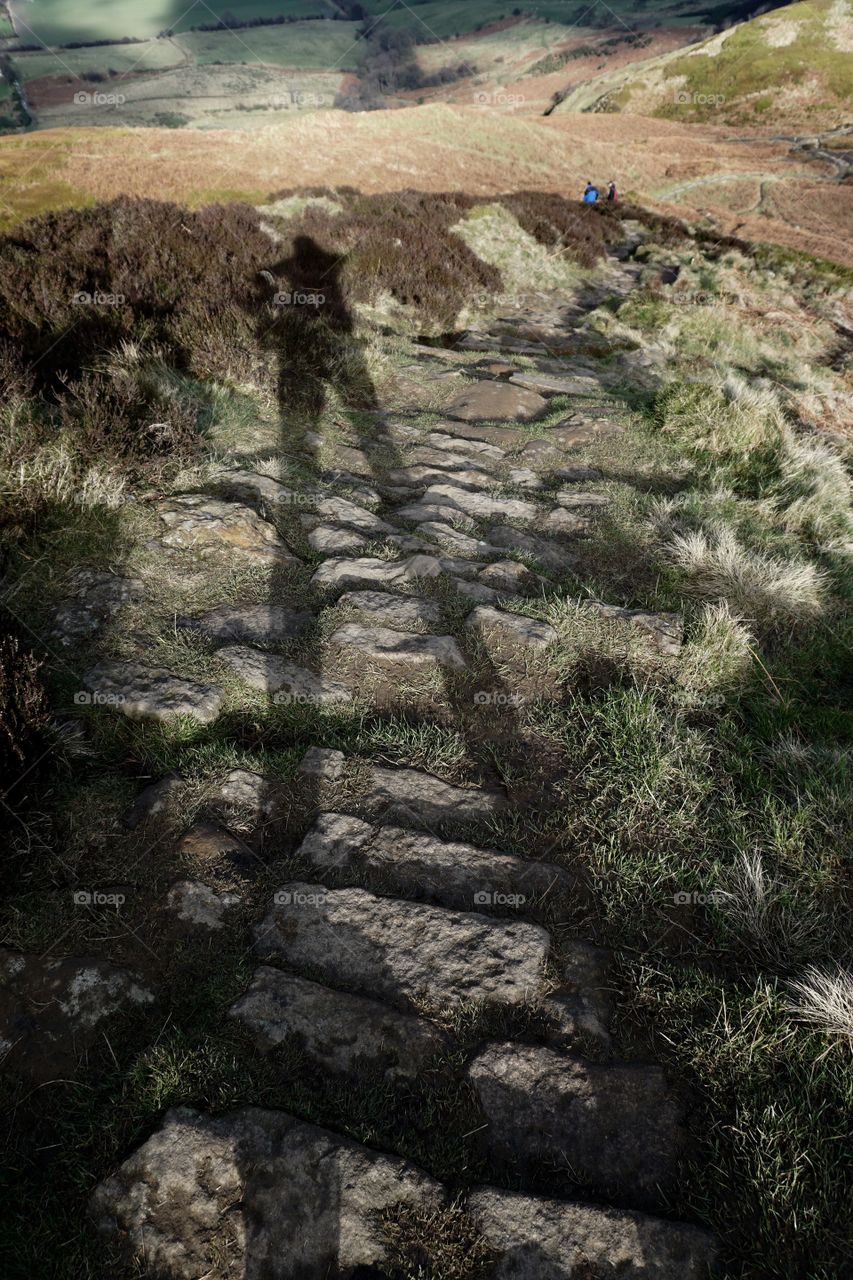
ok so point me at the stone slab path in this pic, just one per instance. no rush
(402, 910)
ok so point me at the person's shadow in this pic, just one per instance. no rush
(311, 333)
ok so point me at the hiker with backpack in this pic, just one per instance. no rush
(590, 194)
(612, 194)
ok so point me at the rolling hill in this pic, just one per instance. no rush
(790, 67)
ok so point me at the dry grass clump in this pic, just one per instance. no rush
(814, 491)
(719, 655)
(24, 711)
(823, 998)
(731, 421)
(774, 924)
(753, 583)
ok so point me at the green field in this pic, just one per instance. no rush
(448, 18)
(313, 46)
(57, 22)
(155, 55)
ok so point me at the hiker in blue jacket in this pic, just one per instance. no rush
(590, 195)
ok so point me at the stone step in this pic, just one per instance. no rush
(536, 1239)
(464, 432)
(409, 796)
(330, 540)
(471, 443)
(510, 630)
(570, 524)
(550, 555)
(441, 498)
(141, 692)
(666, 630)
(511, 578)
(395, 611)
(255, 1192)
(492, 401)
(366, 572)
(421, 476)
(403, 952)
(340, 511)
(250, 623)
(615, 1129)
(382, 645)
(455, 540)
(422, 866)
(270, 673)
(455, 453)
(548, 383)
(206, 527)
(576, 498)
(337, 1031)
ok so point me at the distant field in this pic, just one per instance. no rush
(155, 55)
(311, 46)
(57, 22)
(448, 18)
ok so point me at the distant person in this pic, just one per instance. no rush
(590, 195)
(612, 193)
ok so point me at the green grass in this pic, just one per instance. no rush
(306, 45)
(155, 55)
(53, 23)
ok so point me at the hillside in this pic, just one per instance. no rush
(759, 188)
(257, 62)
(424, 632)
(791, 68)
